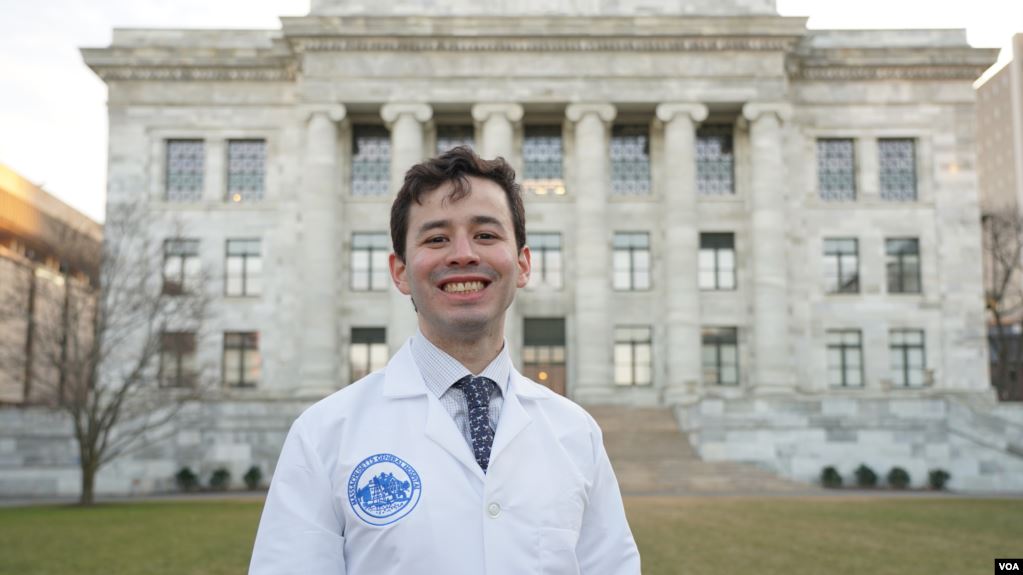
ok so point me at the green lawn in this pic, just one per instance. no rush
(686, 536)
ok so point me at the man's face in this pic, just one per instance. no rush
(461, 265)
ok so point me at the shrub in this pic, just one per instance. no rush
(831, 478)
(898, 478)
(253, 477)
(865, 476)
(938, 478)
(186, 479)
(220, 479)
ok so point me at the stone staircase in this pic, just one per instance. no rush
(652, 457)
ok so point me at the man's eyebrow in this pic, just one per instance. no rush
(440, 224)
(432, 225)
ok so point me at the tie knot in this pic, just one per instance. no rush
(476, 390)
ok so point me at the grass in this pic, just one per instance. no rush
(691, 536)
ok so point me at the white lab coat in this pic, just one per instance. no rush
(549, 504)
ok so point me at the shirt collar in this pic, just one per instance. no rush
(440, 371)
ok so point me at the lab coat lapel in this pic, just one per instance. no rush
(514, 417)
(442, 430)
(403, 380)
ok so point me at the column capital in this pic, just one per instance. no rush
(335, 112)
(512, 111)
(668, 111)
(754, 110)
(391, 112)
(576, 112)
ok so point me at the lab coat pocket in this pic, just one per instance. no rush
(557, 551)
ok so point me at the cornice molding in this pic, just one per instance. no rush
(847, 73)
(663, 44)
(193, 73)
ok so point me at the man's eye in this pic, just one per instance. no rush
(486, 236)
(436, 240)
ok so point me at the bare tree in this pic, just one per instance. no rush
(120, 360)
(1003, 248)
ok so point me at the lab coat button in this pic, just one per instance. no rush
(494, 509)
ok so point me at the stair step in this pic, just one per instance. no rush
(650, 455)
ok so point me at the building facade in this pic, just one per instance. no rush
(49, 267)
(773, 230)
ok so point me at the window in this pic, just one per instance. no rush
(368, 351)
(244, 275)
(845, 358)
(177, 359)
(630, 161)
(631, 261)
(715, 161)
(897, 158)
(371, 161)
(720, 356)
(185, 164)
(541, 158)
(906, 347)
(546, 248)
(633, 361)
(246, 170)
(243, 366)
(836, 170)
(453, 136)
(180, 266)
(543, 352)
(369, 261)
(903, 264)
(841, 264)
(717, 261)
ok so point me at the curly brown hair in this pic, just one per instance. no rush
(455, 166)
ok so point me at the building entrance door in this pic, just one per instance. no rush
(543, 352)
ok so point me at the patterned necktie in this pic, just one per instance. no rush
(477, 398)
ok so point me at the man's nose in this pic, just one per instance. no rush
(463, 252)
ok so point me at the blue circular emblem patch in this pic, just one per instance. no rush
(383, 489)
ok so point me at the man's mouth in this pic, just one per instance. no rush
(464, 287)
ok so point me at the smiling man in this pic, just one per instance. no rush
(448, 461)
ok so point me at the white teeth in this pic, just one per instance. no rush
(461, 287)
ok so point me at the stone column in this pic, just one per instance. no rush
(682, 247)
(772, 365)
(498, 122)
(405, 121)
(591, 162)
(320, 210)
(498, 132)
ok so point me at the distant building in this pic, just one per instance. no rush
(1000, 179)
(48, 252)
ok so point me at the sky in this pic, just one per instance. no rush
(53, 124)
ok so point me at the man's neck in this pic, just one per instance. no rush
(475, 352)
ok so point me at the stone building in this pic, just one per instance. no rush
(1000, 179)
(49, 258)
(772, 230)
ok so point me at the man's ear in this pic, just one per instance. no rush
(399, 273)
(525, 265)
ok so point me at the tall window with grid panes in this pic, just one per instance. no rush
(453, 135)
(841, 265)
(717, 261)
(715, 160)
(897, 164)
(908, 358)
(181, 266)
(186, 161)
(720, 356)
(542, 154)
(178, 366)
(367, 351)
(836, 169)
(371, 161)
(903, 265)
(246, 170)
(630, 160)
(241, 362)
